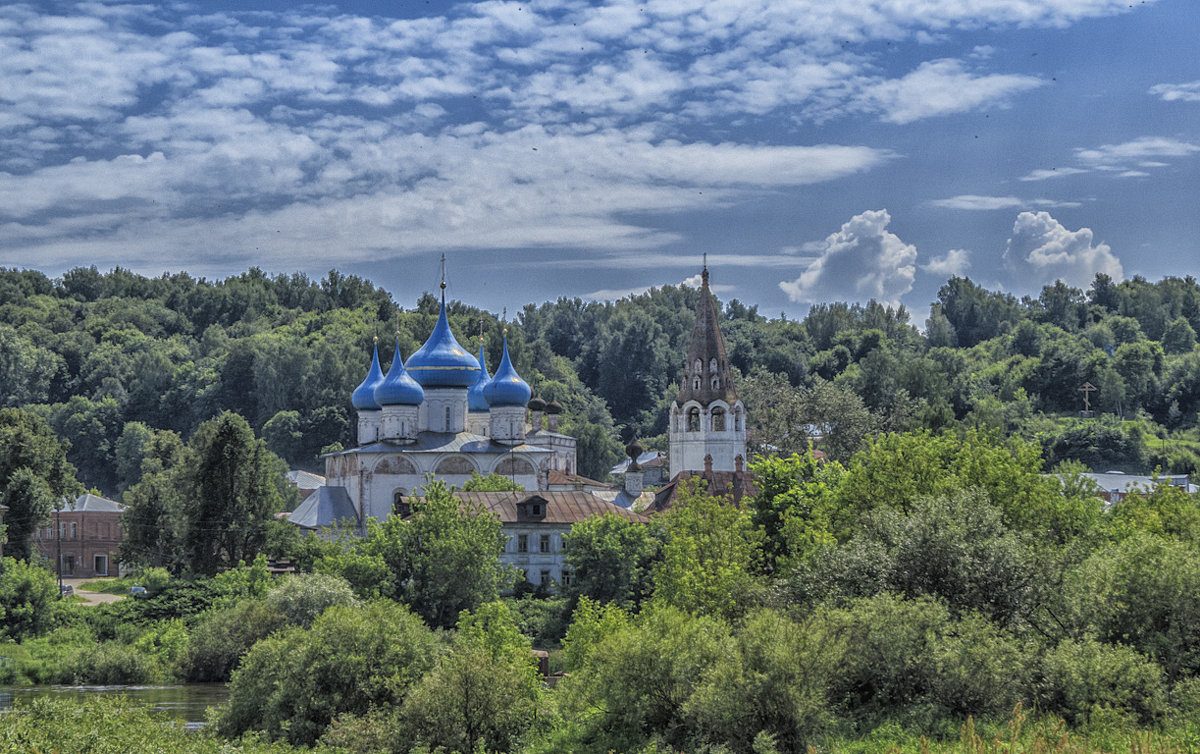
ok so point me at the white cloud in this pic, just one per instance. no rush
(1189, 92)
(974, 202)
(1041, 251)
(695, 281)
(955, 263)
(1137, 150)
(862, 260)
(942, 87)
(1047, 173)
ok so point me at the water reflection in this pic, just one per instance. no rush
(185, 702)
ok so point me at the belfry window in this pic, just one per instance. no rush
(698, 367)
(718, 419)
(716, 383)
(693, 420)
(712, 366)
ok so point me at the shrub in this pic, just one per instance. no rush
(107, 664)
(293, 684)
(222, 637)
(301, 598)
(1080, 678)
(28, 599)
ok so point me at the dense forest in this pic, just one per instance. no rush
(927, 587)
(110, 359)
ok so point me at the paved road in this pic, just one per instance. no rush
(92, 598)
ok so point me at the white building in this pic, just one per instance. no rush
(437, 414)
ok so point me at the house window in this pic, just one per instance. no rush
(535, 509)
(74, 530)
(693, 419)
(522, 543)
(544, 543)
(718, 419)
(545, 579)
(568, 578)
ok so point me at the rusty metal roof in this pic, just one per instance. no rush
(561, 507)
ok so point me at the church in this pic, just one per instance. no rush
(440, 414)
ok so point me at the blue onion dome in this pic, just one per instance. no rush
(363, 397)
(507, 388)
(398, 389)
(475, 400)
(441, 361)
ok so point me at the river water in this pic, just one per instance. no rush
(185, 702)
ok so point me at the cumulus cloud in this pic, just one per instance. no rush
(1041, 251)
(863, 260)
(1188, 92)
(954, 264)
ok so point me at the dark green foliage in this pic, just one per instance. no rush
(611, 557)
(353, 658)
(28, 597)
(221, 637)
(106, 664)
(443, 560)
(1079, 678)
(955, 548)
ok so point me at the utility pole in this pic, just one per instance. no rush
(58, 505)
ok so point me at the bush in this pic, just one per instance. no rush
(28, 599)
(222, 637)
(911, 657)
(301, 598)
(293, 684)
(107, 664)
(1080, 678)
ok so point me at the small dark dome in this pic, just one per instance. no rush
(553, 407)
(536, 404)
(634, 449)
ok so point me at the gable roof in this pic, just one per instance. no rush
(564, 508)
(304, 480)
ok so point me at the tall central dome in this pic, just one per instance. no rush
(441, 361)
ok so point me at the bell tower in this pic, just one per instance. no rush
(708, 420)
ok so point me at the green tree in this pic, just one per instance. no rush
(29, 502)
(486, 692)
(231, 494)
(611, 557)
(794, 507)
(445, 558)
(707, 556)
(28, 595)
(491, 483)
(26, 440)
(1179, 337)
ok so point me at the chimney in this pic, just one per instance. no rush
(634, 476)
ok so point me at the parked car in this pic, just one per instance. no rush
(137, 590)
(67, 590)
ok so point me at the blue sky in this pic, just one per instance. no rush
(814, 150)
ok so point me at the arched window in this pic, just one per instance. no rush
(716, 383)
(712, 366)
(737, 420)
(693, 424)
(695, 383)
(718, 419)
(698, 367)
